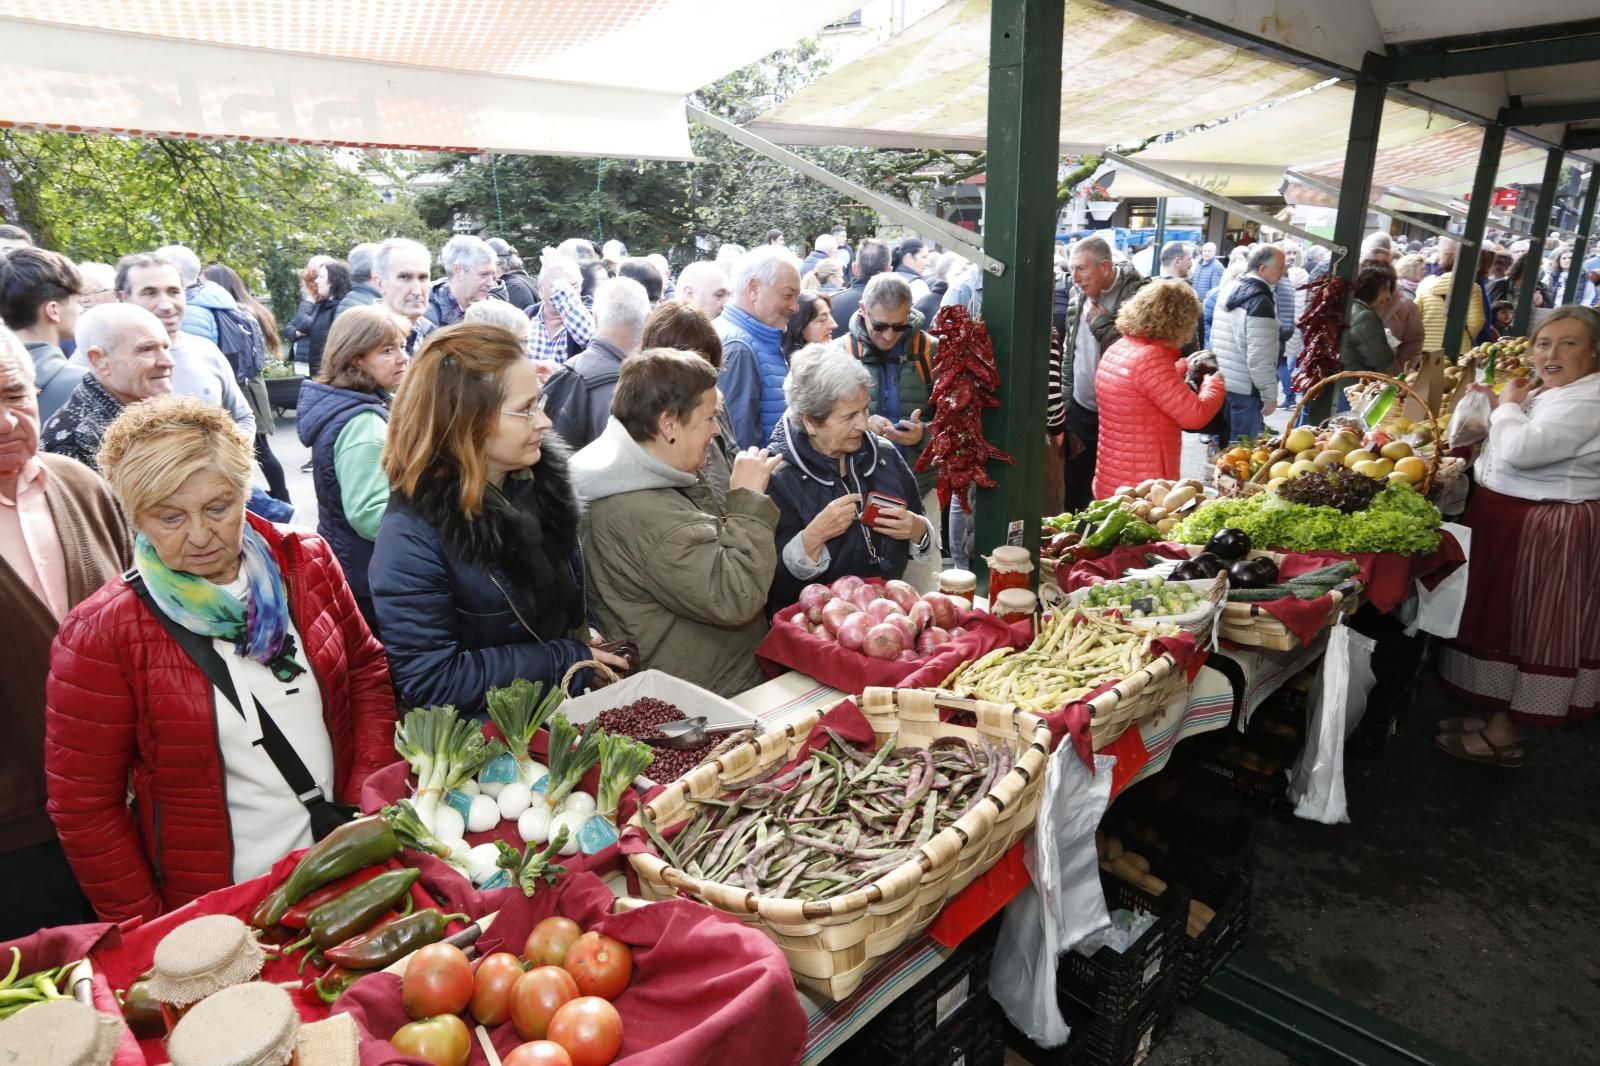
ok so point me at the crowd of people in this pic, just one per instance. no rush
(513, 472)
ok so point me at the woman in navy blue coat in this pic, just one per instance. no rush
(832, 464)
(476, 576)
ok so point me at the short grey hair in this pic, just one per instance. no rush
(825, 243)
(465, 251)
(765, 264)
(1374, 240)
(1263, 254)
(386, 251)
(701, 273)
(1095, 247)
(361, 260)
(1173, 251)
(104, 273)
(887, 290)
(494, 312)
(184, 259)
(820, 376)
(621, 304)
(104, 327)
(948, 262)
(12, 351)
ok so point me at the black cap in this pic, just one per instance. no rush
(501, 247)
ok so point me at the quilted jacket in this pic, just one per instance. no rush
(1244, 336)
(1433, 297)
(126, 706)
(1145, 405)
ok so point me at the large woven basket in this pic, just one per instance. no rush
(1144, 694)
(1250, 626)
(832, 944)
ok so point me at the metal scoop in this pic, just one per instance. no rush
(691, 732)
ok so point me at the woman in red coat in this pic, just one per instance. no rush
(126, 703)
(1144, 397)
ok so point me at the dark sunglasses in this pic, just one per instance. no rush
(886, 327)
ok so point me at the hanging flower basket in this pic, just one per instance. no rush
(1101, 210)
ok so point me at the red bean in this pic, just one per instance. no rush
(639, 720)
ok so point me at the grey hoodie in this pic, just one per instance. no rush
(615, 463)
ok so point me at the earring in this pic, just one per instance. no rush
(672, 440)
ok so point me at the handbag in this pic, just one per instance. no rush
(326, 815)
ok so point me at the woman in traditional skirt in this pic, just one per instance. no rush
(1529, 645)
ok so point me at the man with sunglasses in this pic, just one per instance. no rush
(886, 334)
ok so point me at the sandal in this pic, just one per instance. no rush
(1469, 724)
(1508, 756)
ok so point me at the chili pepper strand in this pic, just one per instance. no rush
(1322, 323)
(965, 386)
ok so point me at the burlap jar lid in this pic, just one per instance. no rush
(252, 1024)
(204, 956)
(61, 1032)
(334, 1041)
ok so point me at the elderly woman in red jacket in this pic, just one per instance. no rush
(228, 677)
(1142, 387)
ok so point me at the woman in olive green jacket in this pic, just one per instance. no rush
(1365, 345)
(668, 569)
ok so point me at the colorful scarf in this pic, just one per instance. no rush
(257, 627)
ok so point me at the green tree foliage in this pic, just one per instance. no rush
(260, 208)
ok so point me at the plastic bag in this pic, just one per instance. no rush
(1064, 903)
(1439, 608)
(1316, 784)
(1469, 423)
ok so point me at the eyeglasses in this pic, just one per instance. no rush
(536, 408)
(886, 327)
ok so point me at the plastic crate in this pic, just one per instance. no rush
(975, 1035)
(1204, 955)
(938, 997)
(1117, 986)
(1096, 1041)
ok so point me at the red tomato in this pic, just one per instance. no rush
(601, 965)
(438, 980)
(491, 987)
(538, 1053)
(548, 942)
(536, 997)
(590, 1029)
(443, 1041)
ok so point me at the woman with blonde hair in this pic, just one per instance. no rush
(228, 680)
(1142, 385)
(343, 417)
(476, 576)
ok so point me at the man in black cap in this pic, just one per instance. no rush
(520, 288)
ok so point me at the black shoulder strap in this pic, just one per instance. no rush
(205, 656)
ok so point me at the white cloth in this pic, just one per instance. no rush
(265, 818)
(1552, 453)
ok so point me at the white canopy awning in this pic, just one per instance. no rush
(517, 76)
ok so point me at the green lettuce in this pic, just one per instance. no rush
(1399, 520)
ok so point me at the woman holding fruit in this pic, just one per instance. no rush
(1145, 400)
(1529, 646)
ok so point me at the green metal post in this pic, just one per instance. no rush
(1535, 255)
(1355, 186)
(1161, 236)
(1580, 245)
(1464, 283)
(1024, 134)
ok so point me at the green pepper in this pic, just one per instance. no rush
(1108, 532)
(331, 985)
(354, 912)
(142, 1011)
(381, 947)
(363, 842)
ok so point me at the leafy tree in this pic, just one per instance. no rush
(260, 208)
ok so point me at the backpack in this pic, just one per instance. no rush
(916, 354)
(239, 336)
(567, 400)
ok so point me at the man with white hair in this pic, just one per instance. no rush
(1207, 273)
(469, 276)
(128, 351)
(578, 396)
(400, 274)
(563, 325)
(822, 248)
(363, 288)
(99, 285)
(706, 285)
(1244, 337)
(62, 536)
(766, 291)
(728, 256)
(1378, 245)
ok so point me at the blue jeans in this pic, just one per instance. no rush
(963, 530)
(1244, 415)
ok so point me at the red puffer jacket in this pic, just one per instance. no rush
(1144, 407)
(123, 702)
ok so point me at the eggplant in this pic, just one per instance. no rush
(1186, 571)
(1208, 564)
(1247, 574)
(1269, 569)
(1229, 544)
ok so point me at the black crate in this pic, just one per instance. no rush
(1117, 986)
(1219, 761)
(1094, 1041)
(975, 1035)
(960, 980)
(1204, 954)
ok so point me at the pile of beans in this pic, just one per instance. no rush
(639, 720)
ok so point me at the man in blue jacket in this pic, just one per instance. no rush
(766, 291)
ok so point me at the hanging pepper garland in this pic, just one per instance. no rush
(1322, 323)
(965, 383)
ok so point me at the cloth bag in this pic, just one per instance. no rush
(1064, 903)
(1316, 784)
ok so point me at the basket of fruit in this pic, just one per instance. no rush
(1377, 454)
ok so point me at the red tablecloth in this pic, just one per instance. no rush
(50, 948)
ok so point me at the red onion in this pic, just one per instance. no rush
(853, 630)
(833, 613)
(944, 608)
(908, 656)
(907, 627)
(931, 638)
(844, 586)
(958, 632)
(884, 641)
(862, 595)
(901, 593)
(921, 614)
(881, 609)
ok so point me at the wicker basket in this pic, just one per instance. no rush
(832, 944)
(1133, 699)
(1384, 379)
(1247, 625)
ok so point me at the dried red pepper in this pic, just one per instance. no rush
(1322, 324)
(965, 382)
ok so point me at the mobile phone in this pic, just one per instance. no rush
(876, 503)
